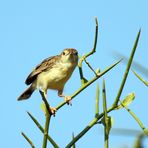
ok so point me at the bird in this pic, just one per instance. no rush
(52, 73)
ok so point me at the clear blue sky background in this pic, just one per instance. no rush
(33, 30)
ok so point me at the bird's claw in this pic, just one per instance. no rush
(68, 100)
(52, 111)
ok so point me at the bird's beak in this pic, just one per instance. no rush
(74, 53)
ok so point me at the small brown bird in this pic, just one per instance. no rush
(52, 73)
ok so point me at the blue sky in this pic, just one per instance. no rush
(33, 30)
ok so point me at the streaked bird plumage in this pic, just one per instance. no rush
(52, 73)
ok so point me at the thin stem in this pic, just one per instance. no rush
(87, 128)
(48, 116)
(42, 130)
(140, 78)
(95, 41)
(139, 141)
(88, 54)
(28, 140)
(106, 128)
(74, 146)
(46, 102)
(93, 122)
(127, 69)
(89, 83)
(134, 116)
(90, 67)
(104, 99)
(81, 74)
(46, 131)
(97, 101)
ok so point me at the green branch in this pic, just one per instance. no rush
(127, 69)
(74, 146)
(87, 128)
(90, 125)
(139, 141)
(42, 130)
(97, 101)
(140, 78)
(48, 114)
(145, 130)
(28, 140)
(46, 130)
(106, 128)
(76, 138)
(88, 54)
(91, 68)
(88, 83)
(46, 102)
(95, 120)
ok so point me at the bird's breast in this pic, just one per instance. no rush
(57, 76)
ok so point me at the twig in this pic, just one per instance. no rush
(46, 130)
(74, 145)
(90, 125)
(90, 67)
(87, 128)
(106, 128)
(42, 130)
(96, 119)
(136, 118)
(140, 78)
(88, 54)
(89, 83)
(28, 140)
(127, 69)
(46, 102)
(48, 116)
(97, 101)
(139, 141)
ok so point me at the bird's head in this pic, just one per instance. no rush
(69, 55)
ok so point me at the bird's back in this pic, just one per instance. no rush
(43, 66)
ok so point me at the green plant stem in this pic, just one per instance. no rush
(90, 67)
(28, 140)
(87, 128)
(106, 128)
(81, 74)
(127, 69)
(74, 146)
(88, 83)
(46, 130)
(140, 78)
(42, 130)
(106, 139)
(104, 100)
(95, 120)
(139, 141)
(88, 54)
(48, 116)
(95, 41)
(135, 117)
(97, 101)
(46, 102)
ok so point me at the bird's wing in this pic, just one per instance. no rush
(43, 66)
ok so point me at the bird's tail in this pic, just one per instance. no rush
(27, 93)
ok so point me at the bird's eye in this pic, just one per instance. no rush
(76, 53)
(63, 53)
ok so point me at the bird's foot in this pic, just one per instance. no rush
(68, 100)
(52, 111)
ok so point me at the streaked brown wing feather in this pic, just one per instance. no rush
(43, 66)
